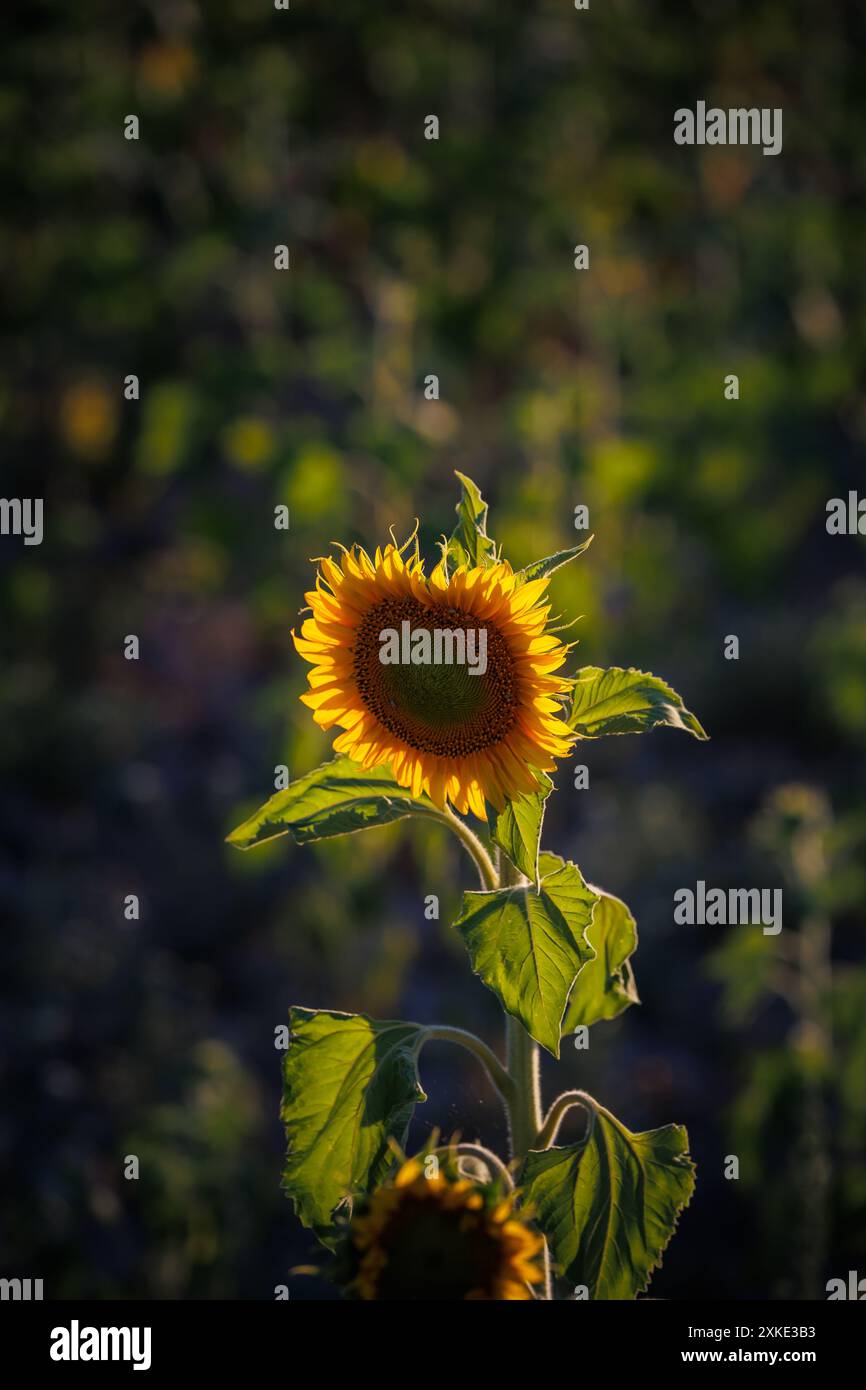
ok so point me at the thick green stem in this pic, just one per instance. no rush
(520, 1085)
(521, 1057)
(524, 1114)
(525, 1109)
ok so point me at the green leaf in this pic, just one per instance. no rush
(617, 701)
(609, 1205)
(469, 543)
(517, 829)
(539, 568)
(605, 987)
(335, 799)
(349, 1082)
(529, 944)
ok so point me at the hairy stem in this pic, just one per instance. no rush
(520, 1085)
(525, 1110)
(522, 1056)
(524, 1114)
(471, 843)
(492, 1160)
(557, 1112)
(486, 1056)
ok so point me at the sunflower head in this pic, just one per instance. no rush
(439, 1237)
(450, 679)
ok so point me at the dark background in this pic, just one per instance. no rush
(559, 387)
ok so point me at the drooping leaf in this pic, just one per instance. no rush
(539, 568)
(609, 1205)
(517, 828)
(616, 701)
(334, 799)
(528, 944)
(606, 986)
(469, 543)
(349, 1082)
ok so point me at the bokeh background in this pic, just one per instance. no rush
(558, 387)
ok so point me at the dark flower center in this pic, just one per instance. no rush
(434, 1254)
(436, 706)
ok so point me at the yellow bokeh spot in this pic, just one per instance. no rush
(167, 417)
(88, 419)
(249, 443)
(381, 163)
(622, 468)
(315, 484)
(167, 67)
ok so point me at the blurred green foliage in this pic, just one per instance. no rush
(799, 1117)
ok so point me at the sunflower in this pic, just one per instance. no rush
(441, 1237)
(459, 736)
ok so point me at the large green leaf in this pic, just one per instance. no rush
(469, 543)
(349, 1082)
(334, 799)
(616, 701)
(609, 1205)
(517, 828)
(529, 944)
(539, 568)
(606, 985)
